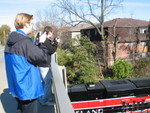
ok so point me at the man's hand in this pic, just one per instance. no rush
(57, 40)
(42, 38)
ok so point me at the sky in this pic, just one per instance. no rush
(137, 9)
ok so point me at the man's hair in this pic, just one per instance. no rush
(48, 29)
(21, 19)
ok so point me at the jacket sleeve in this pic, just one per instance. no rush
(36, 54)
(50, 47)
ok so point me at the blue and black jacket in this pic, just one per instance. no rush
(51, 47)
(22, 57)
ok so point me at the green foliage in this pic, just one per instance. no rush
(79, 61)
(141, 68)
(121, 68)
(81, 41)
(4, 32)
(88, 45)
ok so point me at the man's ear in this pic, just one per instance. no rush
(26, 25)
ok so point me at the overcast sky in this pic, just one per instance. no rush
(137, 9)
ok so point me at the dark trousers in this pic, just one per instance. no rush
(28, 106)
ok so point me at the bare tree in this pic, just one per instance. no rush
(90, 12)
(116, 39)
(49, 16)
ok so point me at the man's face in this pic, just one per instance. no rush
(50, 34)
(30, 27)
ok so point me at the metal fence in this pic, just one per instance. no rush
(63, 103)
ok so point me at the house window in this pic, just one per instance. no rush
(95, 32)
(130, 44)
(143, 30)
(143, 55)
(143, 43)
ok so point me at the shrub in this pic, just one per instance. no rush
(121, 68)
(79, 61)
(141, 68)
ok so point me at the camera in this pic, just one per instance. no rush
(56, 39)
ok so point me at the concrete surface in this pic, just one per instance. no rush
(7, 103)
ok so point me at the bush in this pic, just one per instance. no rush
(121, 68)
(141, 68)
(79, 61)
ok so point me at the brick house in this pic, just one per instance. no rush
(127, 35)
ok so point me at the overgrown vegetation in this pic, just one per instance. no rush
(4, 32)
(124, 69)
(121, 68)
(77, 56)
(141, 68)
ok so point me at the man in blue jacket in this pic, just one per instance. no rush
(22, 57)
